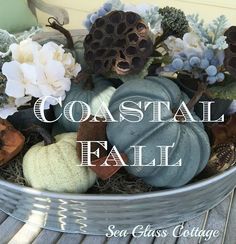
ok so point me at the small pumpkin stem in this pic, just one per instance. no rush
(82, 75)
(59, 27)
(47, 137)
(86, 76)
(202, 87)
(88, 85)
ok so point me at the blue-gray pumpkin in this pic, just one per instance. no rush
(191, 141)
(100, 91)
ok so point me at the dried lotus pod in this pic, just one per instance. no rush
(223, 157)
(230, 52)
(224, 132)
(118, 42)
(231, 35)
(230, 60)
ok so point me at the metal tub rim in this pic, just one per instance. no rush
(118, 197)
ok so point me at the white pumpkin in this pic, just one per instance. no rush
(55, 167)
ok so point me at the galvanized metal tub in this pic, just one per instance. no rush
(92, 214)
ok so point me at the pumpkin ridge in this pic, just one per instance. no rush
(50, 168)
(150, 132)
(27, 155)
(125, 89)
(76, 173)
(205, 144)
(126, 134)
(167, 88)
(77, 93)
(165, 180)
(102, 99)
(37, 164)
(141, 94)
(114, 105)
(107, 98)
(64, 158)
(185, 170)
(25, 163)
(194, 149)
(48, 152)
(177, 145)
(149, 169)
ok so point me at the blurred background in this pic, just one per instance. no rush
(207, 9)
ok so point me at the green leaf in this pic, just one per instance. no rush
(224, 90)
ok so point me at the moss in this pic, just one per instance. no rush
(13, 171)
(120, 183)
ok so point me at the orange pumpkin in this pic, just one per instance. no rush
(11, 142)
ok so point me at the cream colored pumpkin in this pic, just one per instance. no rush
(55, 167)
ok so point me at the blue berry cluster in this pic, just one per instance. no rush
(91, 18)
(202, 67)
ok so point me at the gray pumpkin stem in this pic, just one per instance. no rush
(87, 78)
(47, 137)
(88, 84)
(202, 87)
(59, 27)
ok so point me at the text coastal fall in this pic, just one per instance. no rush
(133, 112)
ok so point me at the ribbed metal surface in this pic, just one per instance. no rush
(91, 214)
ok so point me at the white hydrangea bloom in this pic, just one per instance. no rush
(37, 71)
(174, 45)
(52, 80)
(25, 51)
(193, 44)
(52, 51)
(71, 67)
(192, 40)
(189, 45)
(21, 79)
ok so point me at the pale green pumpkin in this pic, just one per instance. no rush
(55, 167)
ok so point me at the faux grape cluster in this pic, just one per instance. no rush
(204, 67)
(91, 18)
